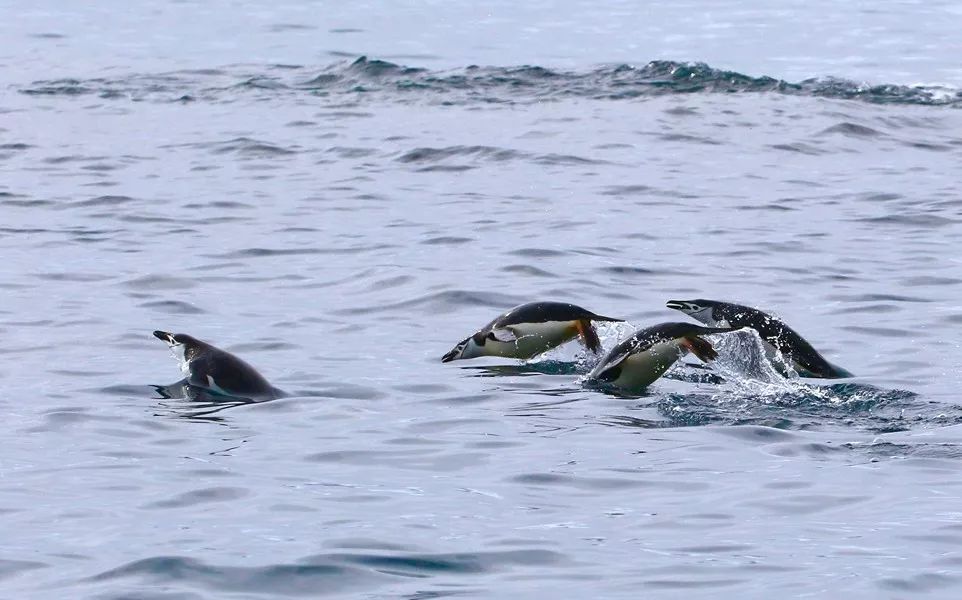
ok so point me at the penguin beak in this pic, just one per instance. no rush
(165, 337)
(677, 304)
(455, 352)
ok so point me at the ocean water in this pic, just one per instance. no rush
(340, 193)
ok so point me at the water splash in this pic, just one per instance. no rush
(365, 78)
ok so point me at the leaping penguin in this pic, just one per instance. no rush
(806, 361)
(638, 361)
(216, 370)
(530, 329)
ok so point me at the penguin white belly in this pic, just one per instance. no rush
(532, 339)
(643, 368)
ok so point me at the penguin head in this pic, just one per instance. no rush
(466, 348)
(183, 346)
(700, 310)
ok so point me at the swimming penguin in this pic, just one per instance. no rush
(645, 356)
(530, 329)
(806, 361)
(216, 370)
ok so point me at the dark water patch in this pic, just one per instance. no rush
(684, 137)
(11, 199)
(439, 302)
(282, 27)
(929, 280)
(62, 87)
(12, 568)
(921, 582)
(589, 483)
(878, 298)
(870, 309)
(566, 159)
(419, 459)
(203, 496)
(59, 160)
(156, 218)
(448, 240)
(886, 332)
(482, 153)
(629, 190)
(808, 504)
(159, 282)
(853, 130)
(261, 82)
(537, 252)
(174, 307)
(423, 388)
(781, 208)
(108, 201)
(420, 565)
(931, 146)
(799, 148)
(445, 168)
(12, 149)
(324, 574)
(273, 252)
(917, 220)
(350, 153)
(628, 270)
(75, 277)
(307, 579)
(248, 147)
(527, 270)
(267, 346)
(227, 204)
(391, 282)
(883, 449)
(367, 544)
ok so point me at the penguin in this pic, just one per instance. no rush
(216, 370)
(638, 361)
(802, 357)
(530, 329)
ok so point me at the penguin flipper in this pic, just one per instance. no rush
(700, 347)
(588, 335)
(502, 335)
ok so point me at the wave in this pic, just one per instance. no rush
(371, 79)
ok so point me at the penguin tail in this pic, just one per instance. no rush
(588, 334)
(837, 372)
(700, 347)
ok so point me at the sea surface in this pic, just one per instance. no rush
(340, 192)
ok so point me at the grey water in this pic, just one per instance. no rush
(338, 193)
